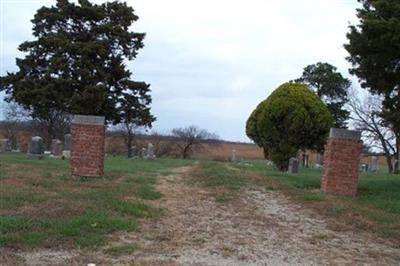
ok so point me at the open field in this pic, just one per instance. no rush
(216, 151)
(176, 212)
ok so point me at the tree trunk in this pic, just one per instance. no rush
(397, 170)
(389, 162)
(50, 135)
(185, 153)
(129, 144)
(388, 156)
(266, 153)
(304, 159)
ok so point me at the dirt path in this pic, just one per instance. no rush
(257, 228)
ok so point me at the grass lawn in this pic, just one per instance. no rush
(376, 208)
(42, 205)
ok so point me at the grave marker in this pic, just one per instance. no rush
(67, 146)
(36, 148)
(56, 149)
(142, 153)
(132, 152)
(373, 165)
(233, 159)
(293, 165)
(150, 151)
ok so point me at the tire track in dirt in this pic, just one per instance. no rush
(256, 228)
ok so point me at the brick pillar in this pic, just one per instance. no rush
(341, 162)
(87, 145)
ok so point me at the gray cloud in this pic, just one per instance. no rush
(210, 62)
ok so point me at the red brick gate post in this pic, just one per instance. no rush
(87, 145)
(341, 162)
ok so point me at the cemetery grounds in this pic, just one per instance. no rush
(188, 212)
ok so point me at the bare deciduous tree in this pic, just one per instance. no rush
(14, 115)
(129, 133)
(191, 138)
(163, 145)
(377, 134)
(55, 126)
(135, 112)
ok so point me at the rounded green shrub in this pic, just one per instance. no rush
(292, 118)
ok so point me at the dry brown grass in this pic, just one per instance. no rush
(343, 214)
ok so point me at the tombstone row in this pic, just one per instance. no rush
(372, 166)
(147, 153)
(58, 148)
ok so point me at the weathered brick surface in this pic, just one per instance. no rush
(341, 166)
(87, 149)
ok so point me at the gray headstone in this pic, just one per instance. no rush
(233, 159)
(293, 165)
(373, 165)
(150, 151)
(364, 167)
(66, 153)
(143, 152)
(5, 145)
(320, 159)
(56, 148)
(36, 148)
(132, 152)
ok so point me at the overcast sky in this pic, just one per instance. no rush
(211, 62)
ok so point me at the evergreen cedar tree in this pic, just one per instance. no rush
(76, 64)
(292, 118)
(331, 87)
(374, 48)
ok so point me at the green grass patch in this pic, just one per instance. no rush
(42, 204)
(88, 230)
(15, 224)
(137, 209)
(147, 192)
(141, 179)
(18, 198)
(215, 174)
(312, 196)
